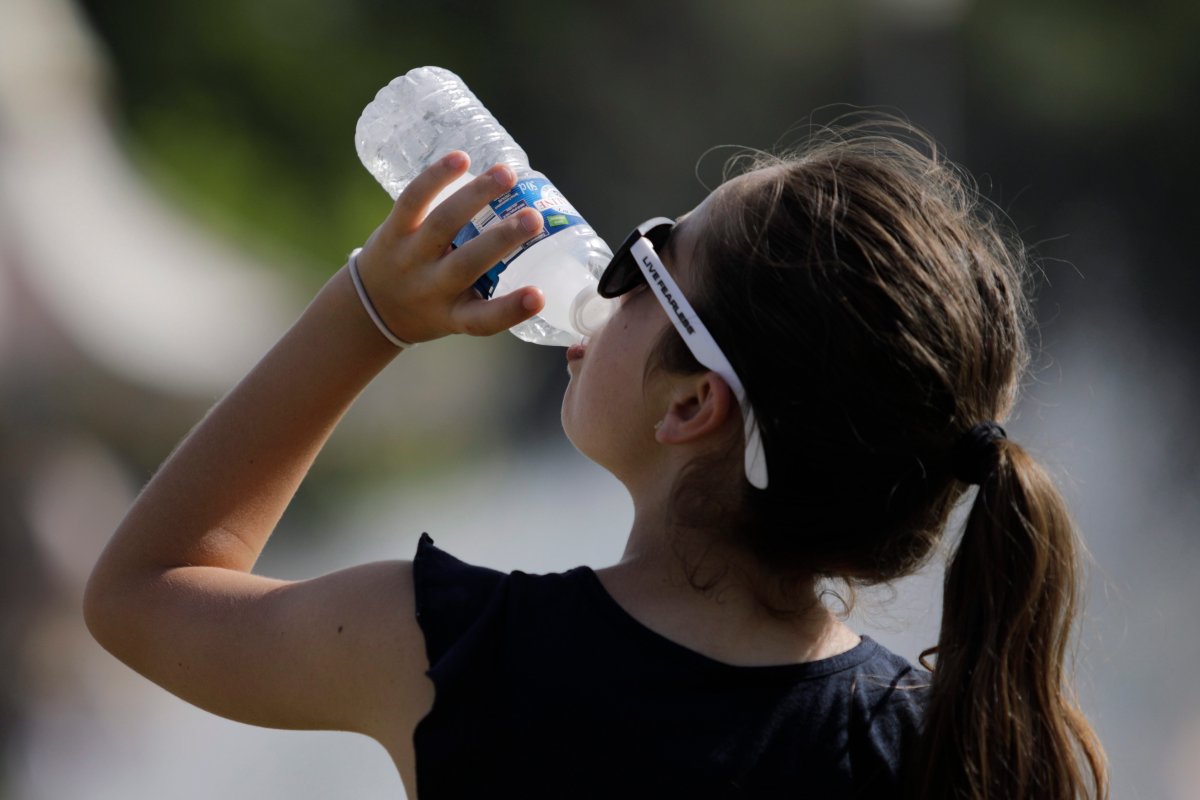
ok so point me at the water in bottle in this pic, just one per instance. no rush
(428, 112)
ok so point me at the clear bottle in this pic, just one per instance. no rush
(428, 112)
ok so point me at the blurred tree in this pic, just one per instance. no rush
(1085, 111)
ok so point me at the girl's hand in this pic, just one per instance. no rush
(419, 284)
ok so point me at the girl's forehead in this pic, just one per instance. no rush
(678, 253)
(682, 241)
(749, 181)
(729, 190)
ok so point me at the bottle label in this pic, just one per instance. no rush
(536, 193)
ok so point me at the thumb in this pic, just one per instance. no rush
(487, 317)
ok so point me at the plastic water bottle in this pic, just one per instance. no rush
(424, 114)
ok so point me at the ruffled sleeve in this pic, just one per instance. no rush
(461, 611)
(451, 597)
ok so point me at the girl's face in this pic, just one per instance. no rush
(609, 410)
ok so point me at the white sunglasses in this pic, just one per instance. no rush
(620, 276)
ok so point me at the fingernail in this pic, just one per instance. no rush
(531, 221)
(530, 301)
(502, 175)
(456, 160)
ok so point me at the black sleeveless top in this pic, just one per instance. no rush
(546, 687)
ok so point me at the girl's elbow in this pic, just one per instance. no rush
(98, 611)
(109, 610)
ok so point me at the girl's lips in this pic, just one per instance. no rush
(575, 352)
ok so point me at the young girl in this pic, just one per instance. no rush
(803, 377)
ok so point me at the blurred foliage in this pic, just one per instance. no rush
(245, 111)
(1090, 68)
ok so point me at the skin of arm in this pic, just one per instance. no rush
(173, 595)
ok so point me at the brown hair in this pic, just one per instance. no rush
(875, 310)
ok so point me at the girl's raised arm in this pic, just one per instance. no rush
(172, 595)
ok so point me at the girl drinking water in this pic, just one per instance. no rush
(804, 376)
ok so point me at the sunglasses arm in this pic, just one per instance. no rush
(704, 347)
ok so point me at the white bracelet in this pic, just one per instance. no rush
(366, 301)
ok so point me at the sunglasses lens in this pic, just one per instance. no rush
(622, 273)
(620, 276)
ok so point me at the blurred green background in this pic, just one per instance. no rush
(177, 178)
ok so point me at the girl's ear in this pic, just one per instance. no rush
(699, 405)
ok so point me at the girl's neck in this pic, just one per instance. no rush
(655, 582)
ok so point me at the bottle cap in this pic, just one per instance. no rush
(589, 311)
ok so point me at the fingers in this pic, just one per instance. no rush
(457, 210)
(436, 228)
(463, 266)
(413, 203)
(487, 317)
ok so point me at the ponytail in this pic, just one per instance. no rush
(1002, 721)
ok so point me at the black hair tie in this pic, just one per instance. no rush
(974, 456)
